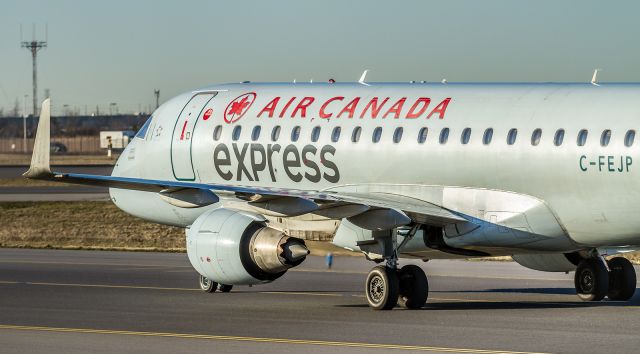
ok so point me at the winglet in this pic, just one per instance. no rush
(40, 159)
(363, 77)
(594, 78)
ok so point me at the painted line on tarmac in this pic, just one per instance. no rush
(300, 293)
(110, 286)
(97, 264)
(295, 270)
(164, 288)
(257, 339)
(295, 293)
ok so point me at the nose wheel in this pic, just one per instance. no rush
(209, 286)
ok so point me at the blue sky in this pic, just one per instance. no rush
(120, 51)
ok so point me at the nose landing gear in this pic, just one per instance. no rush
(209, 286)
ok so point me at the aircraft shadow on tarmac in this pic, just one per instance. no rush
(476, 304)
(506, 305)
(552, 291)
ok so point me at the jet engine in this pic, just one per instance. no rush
(238, 248)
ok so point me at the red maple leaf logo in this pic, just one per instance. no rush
(238, 107)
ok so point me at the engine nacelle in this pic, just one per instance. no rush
(238, 248)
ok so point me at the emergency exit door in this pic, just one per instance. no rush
(182, 138)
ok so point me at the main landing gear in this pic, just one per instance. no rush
(596, 278)
(386, 287)
(209, 286)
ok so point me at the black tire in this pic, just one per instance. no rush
(414, 287)
(224, 288)
(382, 288)
(591, 280)
(207, 285)
(622, 279)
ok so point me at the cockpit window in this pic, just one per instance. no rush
(143, 131)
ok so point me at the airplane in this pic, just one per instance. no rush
(544, 173)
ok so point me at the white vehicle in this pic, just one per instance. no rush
(547, 173)
(115, 139)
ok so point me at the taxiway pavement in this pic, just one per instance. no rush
(82, 301)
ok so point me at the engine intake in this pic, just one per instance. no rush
(238, 248)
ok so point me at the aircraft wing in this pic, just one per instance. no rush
(373, 210)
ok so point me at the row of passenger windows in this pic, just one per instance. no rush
(487, 136)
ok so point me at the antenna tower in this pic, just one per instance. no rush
(34, 46)
(157, 94)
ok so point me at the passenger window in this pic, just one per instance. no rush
(255, 134)
(629, 138)
(488, 135)
(295, 133)
(315, 134)
(582, 137)
(466, 135)
(511, 137)
(605, 138)
(275, 133)
(377, 133)
(397, 135)
(217, 132)
(444, 135)
(335, 135)
(535, 137)
(422, 135)
(235, 135)
(355, 136)
(559, 137)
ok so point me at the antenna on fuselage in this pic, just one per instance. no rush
(363, 77)
(594, 78)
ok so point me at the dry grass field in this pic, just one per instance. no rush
(101, 225)
(94, 225)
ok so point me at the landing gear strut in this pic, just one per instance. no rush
(387, 286)
(596, 278)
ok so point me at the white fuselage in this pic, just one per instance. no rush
(590, 194)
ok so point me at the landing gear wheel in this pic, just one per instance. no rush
(207, 285)
(224, 288)
(414, 287)
(591, 280)
(622, 279)
(382, 288)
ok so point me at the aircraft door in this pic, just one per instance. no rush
(181, 140)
